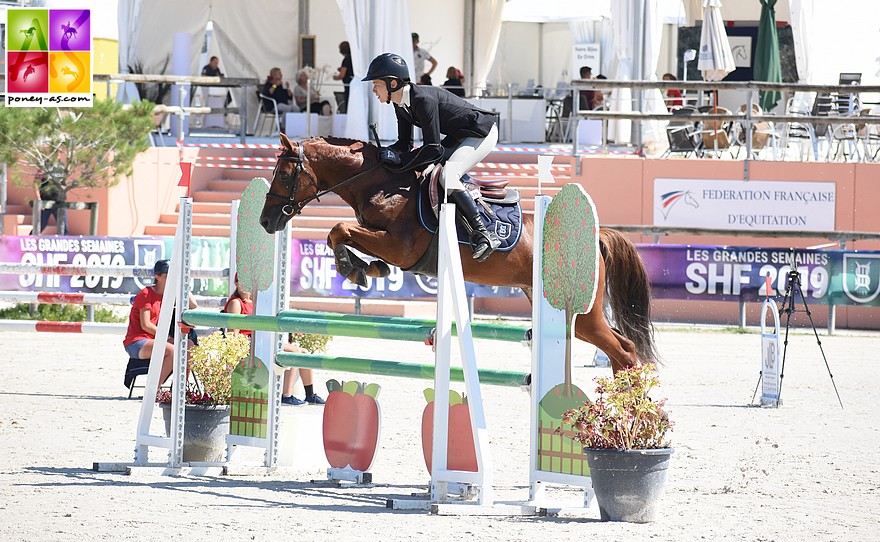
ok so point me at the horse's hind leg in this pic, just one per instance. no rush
(593, 328)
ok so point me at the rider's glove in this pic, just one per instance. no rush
(390, 157)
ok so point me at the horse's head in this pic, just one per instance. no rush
(292, 186)
(309, 169)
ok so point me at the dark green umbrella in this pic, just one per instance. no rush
(767, 64)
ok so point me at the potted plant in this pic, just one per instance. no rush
(624, 437)
(207, 400)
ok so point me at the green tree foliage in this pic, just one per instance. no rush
(83, 147)
(571, 233)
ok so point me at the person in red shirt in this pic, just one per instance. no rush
(242, 302)
(673, 95)
(143, 319)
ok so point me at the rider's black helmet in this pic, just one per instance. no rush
(388, 66)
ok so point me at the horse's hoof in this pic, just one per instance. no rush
(382, 268)
(344, 265)
(360, 278)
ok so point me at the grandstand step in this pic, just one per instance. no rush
(206, 207)
(199, 230)
(198, 218)
(215, 197)
(229, 185)
(371, 307)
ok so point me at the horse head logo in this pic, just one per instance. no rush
(669, 199)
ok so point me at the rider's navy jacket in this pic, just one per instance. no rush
(438, 113)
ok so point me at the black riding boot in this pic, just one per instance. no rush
(483, 241)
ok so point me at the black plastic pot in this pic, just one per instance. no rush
(628, 483)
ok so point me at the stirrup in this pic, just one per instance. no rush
(484, 244)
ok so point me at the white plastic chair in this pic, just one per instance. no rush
(262, 115)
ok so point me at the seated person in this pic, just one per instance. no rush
(144, 317)
(278, 91)
(302, 94)
(242, 302)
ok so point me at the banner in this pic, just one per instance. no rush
(699, 272)
(713, 273)
(313, 268)
(745, 205)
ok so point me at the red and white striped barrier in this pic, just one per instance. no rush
(90, 328)
(232, 145)
(68, 298)
(7, 268)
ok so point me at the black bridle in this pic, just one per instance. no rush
(291, 206)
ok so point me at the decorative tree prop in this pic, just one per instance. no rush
(571, 266)
(254, 247)
(570, 275)
(81, 148)
(254, 259)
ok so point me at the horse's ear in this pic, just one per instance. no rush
(286, 142)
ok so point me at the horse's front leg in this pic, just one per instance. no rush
(348, 264)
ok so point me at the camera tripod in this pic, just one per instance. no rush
(793, 287)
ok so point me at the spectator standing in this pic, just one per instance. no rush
(46, 190)
(344, 73)
(420, 56)
(453, 82)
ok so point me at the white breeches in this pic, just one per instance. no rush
(468, 154)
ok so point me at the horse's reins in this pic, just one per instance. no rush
(294, 207)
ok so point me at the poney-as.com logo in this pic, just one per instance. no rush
(48, 58)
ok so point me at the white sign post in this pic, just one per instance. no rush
(770, 356)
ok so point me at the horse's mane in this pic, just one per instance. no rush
(355, 154)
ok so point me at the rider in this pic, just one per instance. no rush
(470, 134)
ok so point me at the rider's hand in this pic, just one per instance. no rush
(390, 157)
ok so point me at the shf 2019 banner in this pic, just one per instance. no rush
(716, 273)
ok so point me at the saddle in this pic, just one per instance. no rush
(485, 192)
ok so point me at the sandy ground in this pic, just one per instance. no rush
(805, 471)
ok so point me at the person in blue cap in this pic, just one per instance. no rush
(140, 338)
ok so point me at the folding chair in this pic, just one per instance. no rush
(264, 114)
(136, 367)
(684, 135)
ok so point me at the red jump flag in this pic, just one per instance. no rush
(185, 175)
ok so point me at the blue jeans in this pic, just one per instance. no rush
(44, 218)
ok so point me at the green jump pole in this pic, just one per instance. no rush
(343, 328)
(393, 368)
(369, 327)
(496, 332)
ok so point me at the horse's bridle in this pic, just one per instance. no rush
(293, 207)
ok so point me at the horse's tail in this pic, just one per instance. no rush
(628, 291)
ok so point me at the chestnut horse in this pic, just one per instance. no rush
(385, 205)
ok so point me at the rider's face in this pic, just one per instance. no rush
(380, 90)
